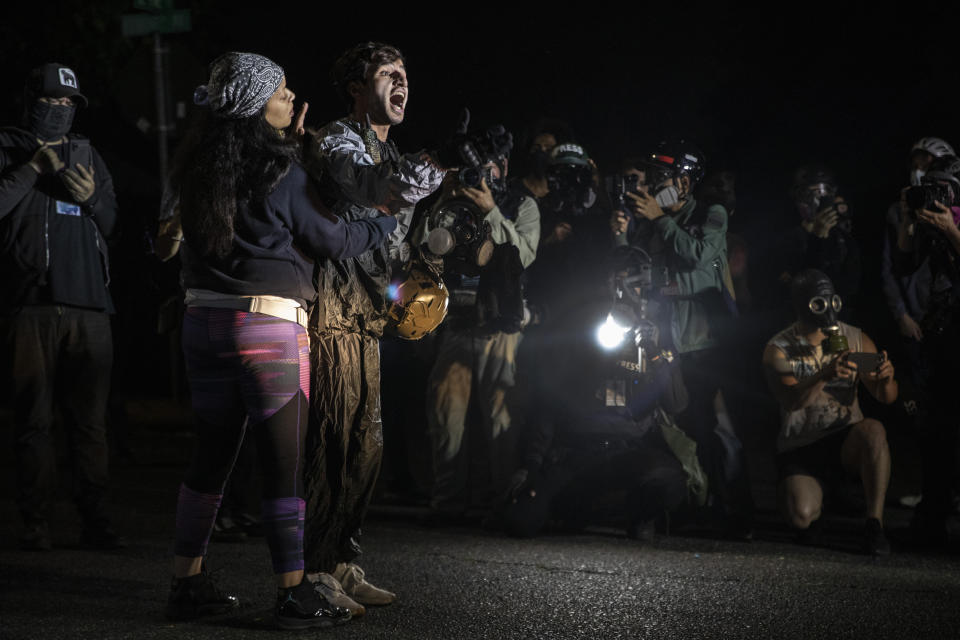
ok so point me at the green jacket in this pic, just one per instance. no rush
(692, 243)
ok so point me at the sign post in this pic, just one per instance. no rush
(160, 18)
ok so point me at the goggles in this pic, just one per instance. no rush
(821, 304)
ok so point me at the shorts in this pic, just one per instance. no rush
(820, 459)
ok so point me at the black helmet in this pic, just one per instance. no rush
(679, 157)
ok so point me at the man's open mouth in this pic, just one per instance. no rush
(398, 101)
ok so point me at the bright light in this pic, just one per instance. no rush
(393, 292)
(610, 335)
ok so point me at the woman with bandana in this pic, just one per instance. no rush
(252, 226)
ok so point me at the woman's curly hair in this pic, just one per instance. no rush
(223, 165)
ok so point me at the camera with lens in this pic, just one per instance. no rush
(618, 186)
(473, 176)
(923, 196)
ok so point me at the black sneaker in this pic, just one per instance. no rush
(301, 607)
(101, 539)
(36, 537)
(196, 596)
(875, 541)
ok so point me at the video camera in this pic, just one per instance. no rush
(458, 232)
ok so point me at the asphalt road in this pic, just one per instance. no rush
(471, 583)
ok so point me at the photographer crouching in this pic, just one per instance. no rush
(603, 447)
(485, 234)
(928, 237)
(688, 241)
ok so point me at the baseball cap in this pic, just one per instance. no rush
(56, 81)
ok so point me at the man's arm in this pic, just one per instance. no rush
(341, 156)
(891, 288)
(169, 237)
(791, 393)
(318, 232)
(16, 180)
(696, 250)
(524, 233)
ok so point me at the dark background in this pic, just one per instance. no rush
(761, 91)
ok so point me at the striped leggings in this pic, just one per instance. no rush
(247, 371)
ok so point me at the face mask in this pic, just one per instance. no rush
(667, 197)
(50, 121)
(537, 162)
(916, 176)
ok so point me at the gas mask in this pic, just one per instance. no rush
(818, 304)
(812, 199)
(459, 232)
(48, 121)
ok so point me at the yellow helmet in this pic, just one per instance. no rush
(419, 303)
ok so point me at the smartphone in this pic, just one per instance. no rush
(866, 362)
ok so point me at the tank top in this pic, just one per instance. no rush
(834, 407)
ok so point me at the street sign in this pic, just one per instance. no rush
(153, 5)
(141, 24)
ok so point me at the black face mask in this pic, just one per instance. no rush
(50, 121)
(537, 163)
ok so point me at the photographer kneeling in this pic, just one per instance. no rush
(603, 447)
(812, 367)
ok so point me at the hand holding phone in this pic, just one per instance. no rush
(866, 362)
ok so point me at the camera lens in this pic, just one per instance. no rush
(470, 177)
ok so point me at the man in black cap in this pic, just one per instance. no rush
(57, 209)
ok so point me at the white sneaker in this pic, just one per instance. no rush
(351, 578)
(327, 586)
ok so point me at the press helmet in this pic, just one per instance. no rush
(937, 147)
(680, 158)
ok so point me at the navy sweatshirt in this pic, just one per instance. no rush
(277, 241)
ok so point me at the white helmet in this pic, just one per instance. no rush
(936, 147)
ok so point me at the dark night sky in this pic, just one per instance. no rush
(761, 91)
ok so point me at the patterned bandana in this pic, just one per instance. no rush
(239, 85)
